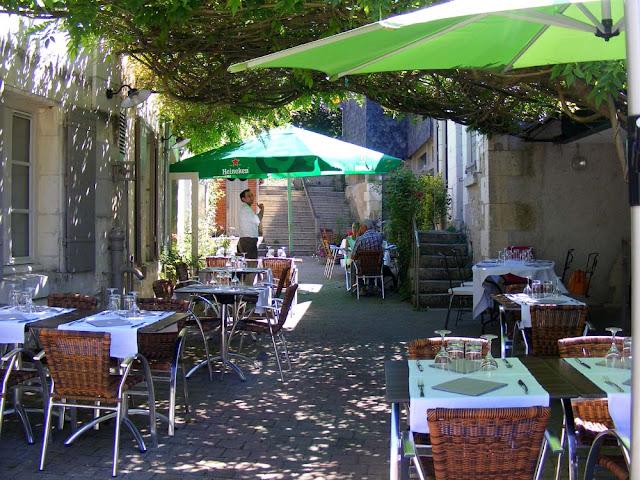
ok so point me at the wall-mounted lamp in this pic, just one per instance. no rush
(180, 142)
(578, 162)
(134, 96)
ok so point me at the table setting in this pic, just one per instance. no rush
(534, 296)
(458, 377)
(123, 325)
(13, 320)
(521, 264)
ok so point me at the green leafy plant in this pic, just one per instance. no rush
(435, 201)
(402, 197)
(171, 258)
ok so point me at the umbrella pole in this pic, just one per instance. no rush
(290, 214)
(632, 18)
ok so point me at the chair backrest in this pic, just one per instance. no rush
(592, 263)
(282, 280)
(553, 322)
(369, 262)
(289, 295)
(568, 260)
(78, 362)
(182, 271)
(277, 266)
(447, 264)
(587, 346)
(515, 288)
(464, 269)
(325, 246)
(72, 300)
(217, 261)
(427, 348)
(486, 442)
(163, 288)
(162, 304)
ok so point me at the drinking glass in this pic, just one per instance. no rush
(613, 354)
(627, 351)
(536, 289)
(489, 363)
(473, 352)
(442, 358)
(455, 349)
(527, 290)
(547, 288)
(114, 300)
(282, 252)
(556, 289)
(128, 301)
(27, 299)
(14, 298)
(270, 252)
(234, 280)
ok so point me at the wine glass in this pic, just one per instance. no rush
(527, 290)
(114, 300)
(556, 288)
(442, 358)
(627, 351)
(613, 354)
(489, 363)
(134, 309)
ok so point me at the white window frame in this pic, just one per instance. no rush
(10, 113)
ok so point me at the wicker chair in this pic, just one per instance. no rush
(163, 288)
(269, 323)
(368, 265)
(217, 261)
(277, 266)
(482, 443)
(427, 348)
(79, 366)
(618, 465)
(16, 377)
(72, 300)
(164, 352)
(550, 323)
(591, 416)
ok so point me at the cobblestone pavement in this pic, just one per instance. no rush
(329, 420)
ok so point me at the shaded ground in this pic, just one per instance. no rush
(328, 421)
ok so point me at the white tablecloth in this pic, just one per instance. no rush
(619, 403)
(206, 272)
(510, 396)
(526, 301)
(537, 270)
(13, 321)
(124, 338)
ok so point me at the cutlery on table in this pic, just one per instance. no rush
(506, 363)
(524, 386)
(582, 363)
(421, 387)
(419, 365)
(613, 384)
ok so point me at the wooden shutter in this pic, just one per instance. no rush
(80, 182)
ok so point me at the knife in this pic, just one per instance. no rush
(582, 363)
(523, 385)
(419, 365)
(506, 363)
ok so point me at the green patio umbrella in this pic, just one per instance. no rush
(489, 34)
(499, 35)
(287, 152)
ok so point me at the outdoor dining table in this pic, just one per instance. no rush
(226, 295)
(536, 269)
(557, 377)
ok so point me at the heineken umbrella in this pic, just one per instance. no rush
(287, 152)
(499, 35)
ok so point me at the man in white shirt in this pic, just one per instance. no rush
(248, 223)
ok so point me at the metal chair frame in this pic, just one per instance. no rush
(59, 347)
(455, 291)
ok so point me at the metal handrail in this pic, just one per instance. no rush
(313, 211)
(416, 263)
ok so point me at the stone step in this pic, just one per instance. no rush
(433, 300)
(438, 248)
(441, 236)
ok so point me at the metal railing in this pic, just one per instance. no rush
(416, 264)
(313, 211)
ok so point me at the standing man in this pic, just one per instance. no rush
(248, 223)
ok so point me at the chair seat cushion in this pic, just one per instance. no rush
(110, 396)
(18, 376)
(468, 290)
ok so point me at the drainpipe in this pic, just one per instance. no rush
(118, 267)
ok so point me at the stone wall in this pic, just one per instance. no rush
(528, 194)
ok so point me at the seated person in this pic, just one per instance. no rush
(350, 242)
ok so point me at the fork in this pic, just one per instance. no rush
(421, 387)
(613, 384)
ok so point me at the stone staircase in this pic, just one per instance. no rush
(274, 223)
(331, 208)
(433, 283)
